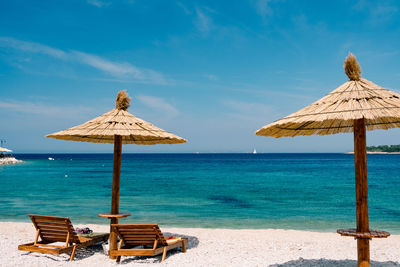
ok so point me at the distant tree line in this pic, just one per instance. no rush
(384, 148)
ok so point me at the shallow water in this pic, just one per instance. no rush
(287, 191)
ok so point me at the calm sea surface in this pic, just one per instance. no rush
(288, 191)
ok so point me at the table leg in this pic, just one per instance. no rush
(113, 237)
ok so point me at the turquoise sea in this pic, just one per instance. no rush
(286, 191)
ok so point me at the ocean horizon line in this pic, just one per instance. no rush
(44, 153)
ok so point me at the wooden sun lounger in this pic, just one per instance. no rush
(52, 229)
(148, 236)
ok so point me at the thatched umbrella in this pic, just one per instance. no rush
(118, 127)
(3, 149)
(356, 106)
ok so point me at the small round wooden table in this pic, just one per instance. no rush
(357, 235)
(113, 220)
(363, 239)
(117, 216)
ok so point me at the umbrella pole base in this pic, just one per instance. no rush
(363, 252)
(113, 238)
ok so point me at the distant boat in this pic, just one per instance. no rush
(254, 151)
(51, 158)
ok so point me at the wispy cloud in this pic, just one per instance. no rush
(247, 107)
(301, 22)
(121, 70)
(379, 11)
(184, 8)
(43, 109)
(248, 114)
(203, 22)
(159, 104)
(31, 47)
(263, 8)
(98, 3)
(211, 77)
(107, 66)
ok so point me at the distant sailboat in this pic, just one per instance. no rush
(254, 151)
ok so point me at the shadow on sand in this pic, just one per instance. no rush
(192, 243)
(98, 249)
(80, 254)
(332, 263)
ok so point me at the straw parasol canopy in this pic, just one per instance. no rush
(356, 106)
(118, 126)
(2, 149)
(335, 112)
(118, 121)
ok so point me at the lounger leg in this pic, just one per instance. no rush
(73, 254)
(118, 258)
(164, 254)
(184, 246)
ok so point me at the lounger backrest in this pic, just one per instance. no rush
(54, 229)
(139, 234)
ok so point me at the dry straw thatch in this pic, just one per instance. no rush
(2, 149)
(118, 122)
(336, 112)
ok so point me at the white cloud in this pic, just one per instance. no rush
(113, 68)
(203, 22)
(116, 69)
(248, 115)
(43, 109)
(263, 8)
(98, 3)
(184, 8)
(32, 47)
(379, 11)
(159, 104)
(211, 77)
(247, 107)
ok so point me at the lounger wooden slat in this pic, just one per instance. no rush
(140, 238)
(137, 231)
(137, 226)
(134, 236)
(32, 248)
(50, 218)
(53, 233)
(53, 224)
(52, 229)
(60, 238)
(56, 238)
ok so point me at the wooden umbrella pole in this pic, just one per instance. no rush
(360, 163)
(115, 189)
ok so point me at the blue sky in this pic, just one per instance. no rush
(212, 72)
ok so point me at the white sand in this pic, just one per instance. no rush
(214, 247)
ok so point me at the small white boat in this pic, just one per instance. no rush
(254, 151)
(51, 158)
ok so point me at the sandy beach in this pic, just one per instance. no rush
(214, 247)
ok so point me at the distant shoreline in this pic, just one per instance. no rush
(370, 152)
